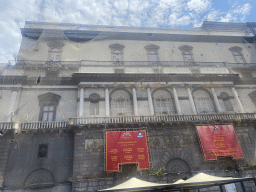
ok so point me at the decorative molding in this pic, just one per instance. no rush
(235, 49)
(186, 48)
(151, 47)
(116, 46)
(55, 44)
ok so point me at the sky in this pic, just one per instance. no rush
(137, 13)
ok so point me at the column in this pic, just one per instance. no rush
(216, 100)
(150, 102)
(176, 100)
(12, 105)
(135, 103)
(81, 103)
(191, 101)
(107, 103)
(237, 100)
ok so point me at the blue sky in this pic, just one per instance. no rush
(142, 13)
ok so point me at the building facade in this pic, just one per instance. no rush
(71, 83)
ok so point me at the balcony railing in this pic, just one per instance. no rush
(86, 63)
(161, 118)
(126, 119)
(6, 125)
(44, 125)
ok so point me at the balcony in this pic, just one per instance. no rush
(162, 118)
(33, 125)
(126, 119)
(39, 64)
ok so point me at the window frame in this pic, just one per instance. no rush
(55, 45)
(114, 48)
(48, 99)
(237, 51)
(94, 99)
(184, 50)
(211, 99)
(152, 48)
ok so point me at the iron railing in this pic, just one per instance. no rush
(161, 118)
(126, 119)
(43, 125)
(87, 63)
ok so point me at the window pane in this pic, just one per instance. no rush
(45, 116)
(46, 108)
(51, 108)
(50, 117)
(203, 102)
(163, 103)
(55, 56)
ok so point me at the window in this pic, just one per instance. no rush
(48, 103)
(54, 54)
(55, 48)
(163, 103)
(203, 102)
(226, 101)
(94, 104)
(152, 52)
(121, 103)
(186, 52)
(48, 111)
(42, 151)
(117, 53)
(237, 53)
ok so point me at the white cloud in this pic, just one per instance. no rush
(199, 5)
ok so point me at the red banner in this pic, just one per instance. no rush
(219, 140)
(126, 147)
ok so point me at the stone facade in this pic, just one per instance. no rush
(69, 86)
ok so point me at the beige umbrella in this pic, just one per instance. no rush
(133, 183)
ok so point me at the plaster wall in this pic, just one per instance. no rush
(134, 51)
(5, 103)
(28, 108)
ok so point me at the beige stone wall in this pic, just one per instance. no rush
(134, 50)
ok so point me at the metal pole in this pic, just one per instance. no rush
(242, 184)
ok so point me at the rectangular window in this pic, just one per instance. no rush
(42, 151)
(48, 112)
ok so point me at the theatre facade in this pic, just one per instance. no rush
(86, 107)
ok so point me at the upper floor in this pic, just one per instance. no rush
(213, 42)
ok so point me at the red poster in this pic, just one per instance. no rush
(219, 140)
(126, 147)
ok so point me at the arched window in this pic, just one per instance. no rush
(94, 104)
(203, 102)
(178, 169)
(226, 101)
(39, 178)
(55, 54)
(121, 103)
(163, 103)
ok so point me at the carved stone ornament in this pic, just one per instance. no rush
(55, 44)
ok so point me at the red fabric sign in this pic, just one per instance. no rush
(126, 147)
(219, 140)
